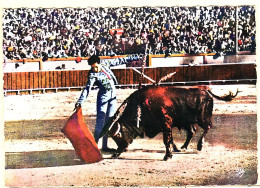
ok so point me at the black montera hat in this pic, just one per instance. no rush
(93, 59)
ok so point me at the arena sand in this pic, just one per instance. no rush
(142, 165)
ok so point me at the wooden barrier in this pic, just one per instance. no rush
(21, 81)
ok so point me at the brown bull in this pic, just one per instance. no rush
(156, 109)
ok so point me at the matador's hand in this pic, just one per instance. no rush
(77, 106)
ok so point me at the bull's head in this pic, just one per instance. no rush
(124, 126)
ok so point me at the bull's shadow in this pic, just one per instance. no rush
(180, 152)
(151, 152)
(40, 159)
(191, 151)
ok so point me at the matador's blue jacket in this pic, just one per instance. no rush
(105, 79)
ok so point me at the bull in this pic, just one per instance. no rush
(151, 110)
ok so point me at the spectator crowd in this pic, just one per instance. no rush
(69, 32)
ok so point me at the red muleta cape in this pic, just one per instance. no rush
(81, 138)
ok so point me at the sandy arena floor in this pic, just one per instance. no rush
(44, 157)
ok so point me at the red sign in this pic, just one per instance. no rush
(118, 31)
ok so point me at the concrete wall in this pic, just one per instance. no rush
(175, 61)
(240, 58)
(179, 61)
(22, 67)
(156, 62)
(49, 66)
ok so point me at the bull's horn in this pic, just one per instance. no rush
(118, 129)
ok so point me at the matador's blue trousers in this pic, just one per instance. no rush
(106, 106)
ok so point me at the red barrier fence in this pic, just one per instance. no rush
(28, 81)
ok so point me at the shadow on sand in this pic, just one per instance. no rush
(52, 158)
(38, 159)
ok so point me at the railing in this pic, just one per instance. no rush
(44, 81)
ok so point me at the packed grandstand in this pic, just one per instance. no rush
(69, 32)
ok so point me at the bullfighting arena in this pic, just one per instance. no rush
(39, 155)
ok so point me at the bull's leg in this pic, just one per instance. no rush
(175, 149)
(202, 138)
(205, 121)
(190, 133)
(167, 139)
(188, 139)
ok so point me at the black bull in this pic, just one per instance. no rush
(152, 110)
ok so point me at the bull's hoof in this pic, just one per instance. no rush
(176, 150)
(199, 147)
(184, 147)
(167, 156)
(115, 155)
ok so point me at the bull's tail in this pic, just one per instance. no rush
(228, 97)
